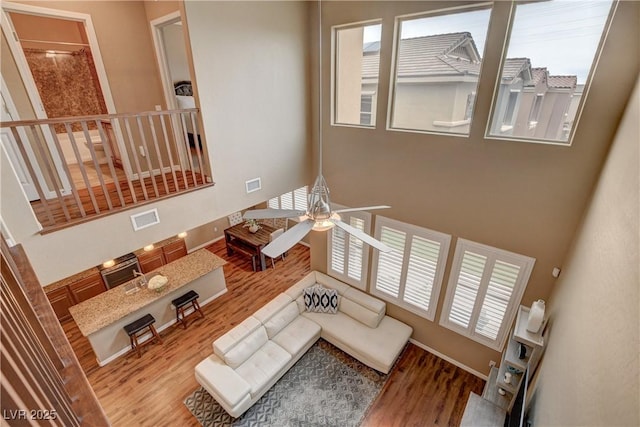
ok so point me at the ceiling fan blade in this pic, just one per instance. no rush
(288, 239)
(366, 208)
(272, 213)
(362, 236)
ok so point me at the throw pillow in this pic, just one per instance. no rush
(328, 300)
(318, 299)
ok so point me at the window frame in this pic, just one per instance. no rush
(391, 101)
(410, 231)
(334, 69)
(492, 254)
(493, 111)
(366, 251)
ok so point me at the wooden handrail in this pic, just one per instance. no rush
(93, 118)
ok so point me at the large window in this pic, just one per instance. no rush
(485, 288)
(436, 69)
(548, 61)
(410, 276)
(356, 63)
(348, 256)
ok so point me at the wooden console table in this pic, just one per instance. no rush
(239, 239)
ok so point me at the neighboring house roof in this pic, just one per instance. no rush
(563, 82)
(539, 75)
(441, 54)
(516, 67)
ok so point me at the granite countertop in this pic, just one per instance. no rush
(114, 304)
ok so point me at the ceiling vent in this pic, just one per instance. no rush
(145, 219)
(253, 185)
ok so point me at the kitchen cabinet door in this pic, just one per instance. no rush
(61, 299)
(87, 288)
(174, 250)
(151, 260)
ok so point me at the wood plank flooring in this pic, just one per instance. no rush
(423, 390)
(141, 191)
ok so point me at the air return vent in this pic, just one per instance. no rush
(253, 185)
(145, 219)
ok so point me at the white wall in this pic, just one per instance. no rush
(251, 68)
(176, 52)
(590, 372)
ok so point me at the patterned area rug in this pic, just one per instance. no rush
(326, 387)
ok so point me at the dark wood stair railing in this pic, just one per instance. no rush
(42, 380)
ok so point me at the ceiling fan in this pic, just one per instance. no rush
(319, 216)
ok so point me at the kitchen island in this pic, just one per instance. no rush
(102, 318)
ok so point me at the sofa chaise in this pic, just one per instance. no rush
(254, 355)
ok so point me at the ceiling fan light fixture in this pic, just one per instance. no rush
(326, 223)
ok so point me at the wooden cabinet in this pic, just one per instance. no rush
(174, 250)
(87, 288)
(150, 260)
(61, 299)
(157, 257)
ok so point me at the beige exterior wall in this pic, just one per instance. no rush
(590, 372)
(349, 71)
(522, 197)
(251, 62)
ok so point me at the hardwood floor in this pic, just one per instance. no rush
(423, 390)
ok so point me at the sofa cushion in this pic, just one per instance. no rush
(366, 300)
(263, 366)
(281, 319)
(376, 347)
(297, 335)
(244, 349)
(296, 290)
(359, 313)
(331, 283)
(272, 308)
(222, 381)
(227, 341)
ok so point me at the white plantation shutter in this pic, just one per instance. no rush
(300, 198)
(356, 251)
(286, 201)
(348, 256)
(494, 307)
(467, 288)
(410, 276)
(273, 203)
(485, 288)
(390, 263)
(421, 271)
(337, 248)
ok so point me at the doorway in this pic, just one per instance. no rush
(58, 60)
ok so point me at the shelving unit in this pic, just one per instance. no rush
(511, 362)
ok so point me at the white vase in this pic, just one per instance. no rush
(536, 316)
(253, 228)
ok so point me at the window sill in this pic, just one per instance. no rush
(451, 124)
(506, 128)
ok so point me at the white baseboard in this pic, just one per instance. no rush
(448, 359)
(204, 245)
(147, 336)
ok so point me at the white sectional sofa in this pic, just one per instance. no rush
(251, 357)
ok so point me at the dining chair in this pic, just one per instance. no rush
(274, 235)
(235, 218)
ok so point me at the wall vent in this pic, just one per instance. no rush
(145, 219)
(253, 185)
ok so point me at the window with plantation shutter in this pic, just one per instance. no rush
(485, 288)
(410, 276)
(349, 256)
(296, 199)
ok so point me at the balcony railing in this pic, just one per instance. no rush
(75, 169)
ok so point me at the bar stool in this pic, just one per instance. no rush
(181, 303)
(137, 328)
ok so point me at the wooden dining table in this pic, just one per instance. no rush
(240, 239)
